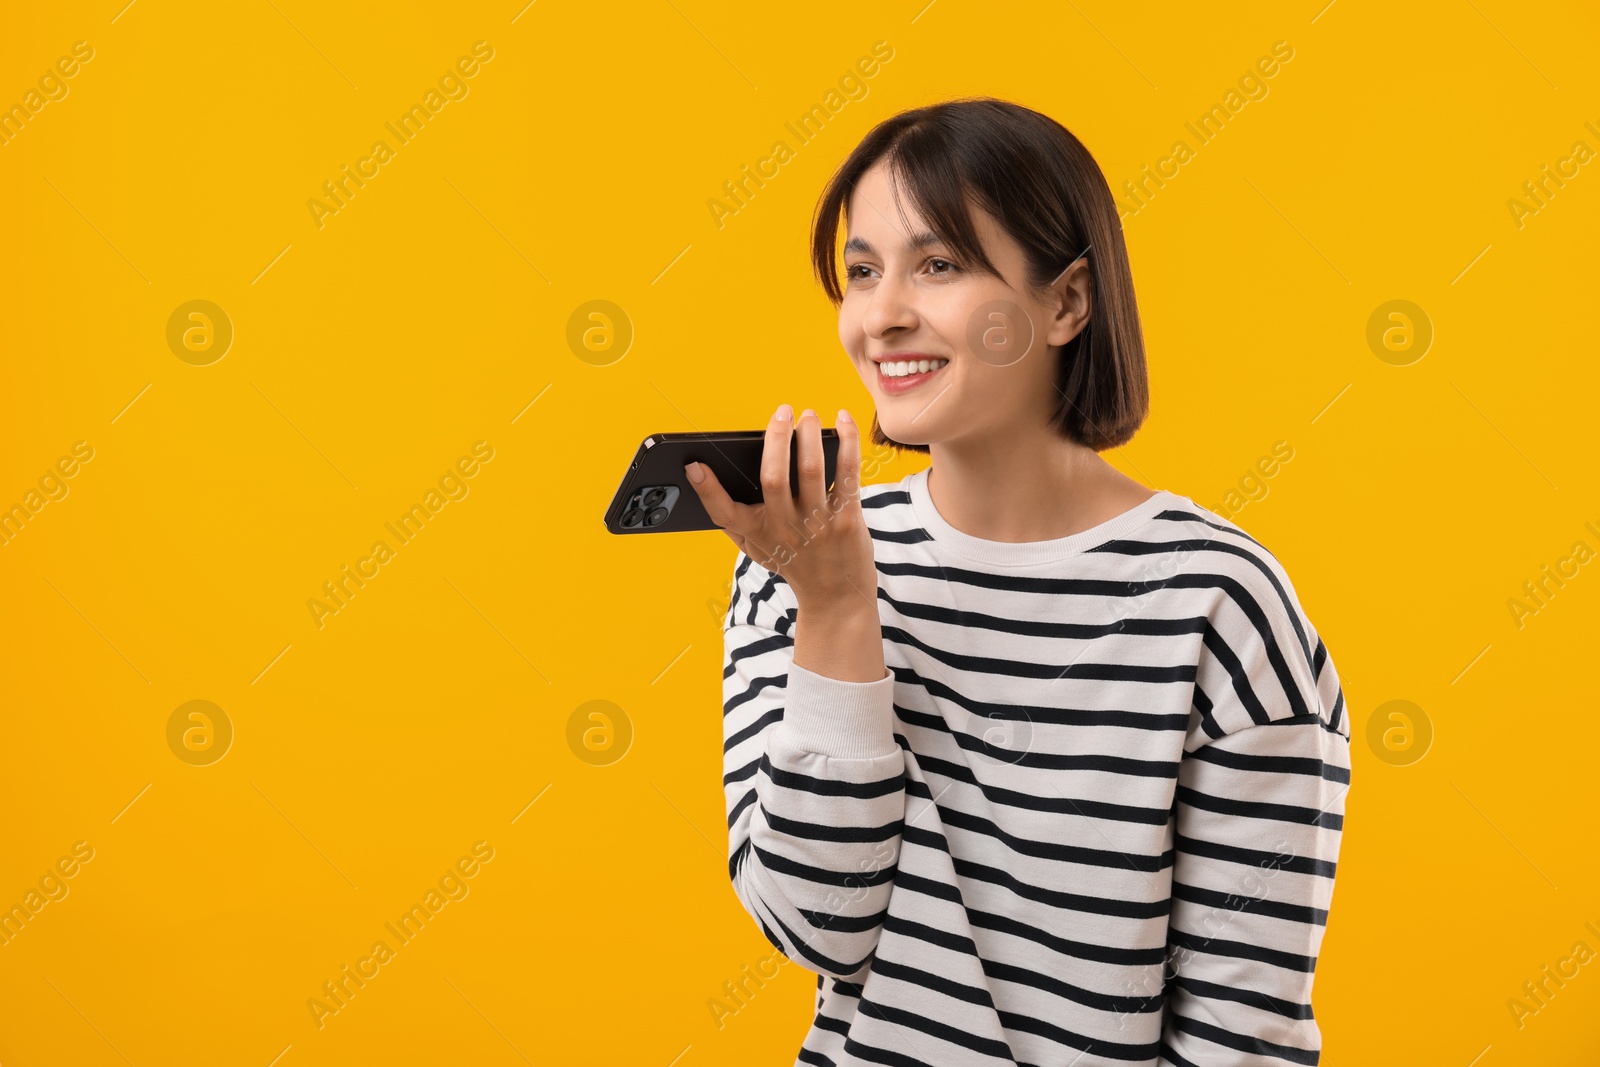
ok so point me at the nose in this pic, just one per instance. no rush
(891, 307)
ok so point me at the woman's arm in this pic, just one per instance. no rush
(813, 775)
(1260, 816)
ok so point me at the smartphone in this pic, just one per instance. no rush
(655, 495)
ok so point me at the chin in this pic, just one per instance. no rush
(912, 433)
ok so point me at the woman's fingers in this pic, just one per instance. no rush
(722, 508)
(847, 476)
(740, 522)
(813, 475)
(766, 532)
(775, 492)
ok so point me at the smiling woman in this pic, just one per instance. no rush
(1029, 762)
(1003, 261)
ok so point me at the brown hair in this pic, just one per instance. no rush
(1044, 189)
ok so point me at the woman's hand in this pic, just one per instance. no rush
(818, 542)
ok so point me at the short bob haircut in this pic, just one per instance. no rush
(1043, 187)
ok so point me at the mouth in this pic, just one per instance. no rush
(899, 376)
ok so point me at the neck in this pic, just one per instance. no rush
(1027, 486)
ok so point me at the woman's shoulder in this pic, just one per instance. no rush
(1255, 611)
(1204, 541)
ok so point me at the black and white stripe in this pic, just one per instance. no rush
(1091, 815)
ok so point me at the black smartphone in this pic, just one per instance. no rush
(655, 495)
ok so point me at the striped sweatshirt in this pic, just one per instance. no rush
(1089, 816)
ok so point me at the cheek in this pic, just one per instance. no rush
(850, 334)
(1005, 383)
(957, 323)
(995, 332)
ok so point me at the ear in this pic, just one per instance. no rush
(1069, 302)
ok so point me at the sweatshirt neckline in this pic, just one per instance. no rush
(1025, 553)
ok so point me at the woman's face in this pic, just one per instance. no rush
(907, 295)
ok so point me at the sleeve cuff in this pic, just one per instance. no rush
(833, 717)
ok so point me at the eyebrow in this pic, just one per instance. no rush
(918, 242)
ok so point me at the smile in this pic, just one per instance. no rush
(898, 376)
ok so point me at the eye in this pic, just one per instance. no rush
(851, 275)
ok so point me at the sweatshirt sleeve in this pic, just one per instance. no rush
(814, 786)
(1259, 817)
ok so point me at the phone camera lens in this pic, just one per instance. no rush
(655, 496)
(656, 517)
(633, 517)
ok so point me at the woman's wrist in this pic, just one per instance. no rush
(840, 639)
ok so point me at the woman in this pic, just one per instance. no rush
(1029, 763)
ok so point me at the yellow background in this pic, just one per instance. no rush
(432, 310)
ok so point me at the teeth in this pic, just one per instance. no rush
(903, 367)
